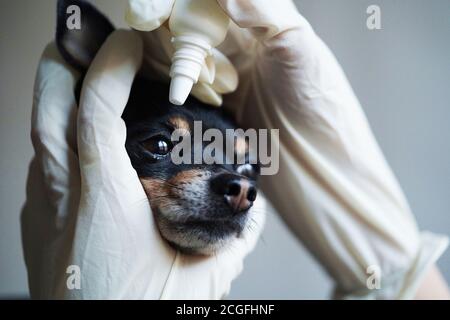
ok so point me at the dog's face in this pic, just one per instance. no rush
(198, 208)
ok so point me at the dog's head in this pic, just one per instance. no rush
(198, 207)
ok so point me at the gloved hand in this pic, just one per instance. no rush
(334, 188)
(86, 209)
(217, 76)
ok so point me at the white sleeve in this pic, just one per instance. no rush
(334, 188)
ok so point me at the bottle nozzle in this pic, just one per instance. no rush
(180, 87)
(187, 62)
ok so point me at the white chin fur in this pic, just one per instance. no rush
(188, 241)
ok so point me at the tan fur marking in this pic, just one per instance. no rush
(186, 176)
(180, 123)
(157, 191)
(153, 187)
(240, 146)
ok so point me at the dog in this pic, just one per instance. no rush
(198, 208)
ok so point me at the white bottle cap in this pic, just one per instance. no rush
(187, 62)
(180, 87)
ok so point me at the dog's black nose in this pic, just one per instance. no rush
(238, 192)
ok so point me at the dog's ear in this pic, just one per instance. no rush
(78, 46)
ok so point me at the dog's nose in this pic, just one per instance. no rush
(239, 193)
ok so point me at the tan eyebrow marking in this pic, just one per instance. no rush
(180, 123)
(240, 146)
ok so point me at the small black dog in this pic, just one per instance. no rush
(198, 208)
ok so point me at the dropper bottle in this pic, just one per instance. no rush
(197, 26)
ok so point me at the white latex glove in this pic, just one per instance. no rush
(334, 188)
(85, 205)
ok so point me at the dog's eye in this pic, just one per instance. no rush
(159, 146)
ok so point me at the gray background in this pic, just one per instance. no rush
(401, 74)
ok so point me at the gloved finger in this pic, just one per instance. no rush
(148, 15)
(115, 231)
(53, 131)
(286, 43)
(105, 92)
(261, 17)
(226, 79)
